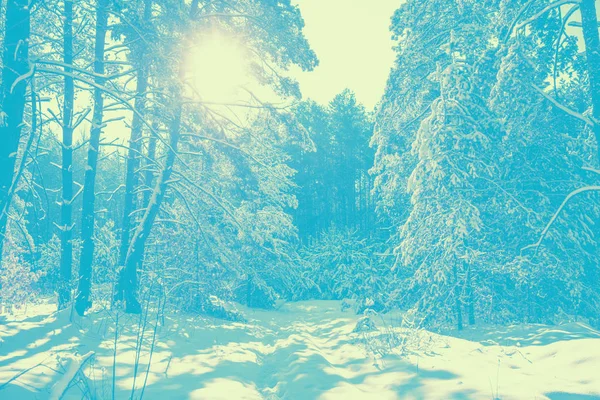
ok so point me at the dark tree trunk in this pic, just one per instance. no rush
(470, 297)
(15, 61)
(83, 302)
(127, 285)
(133, 156)
(589, 22)
(458, 301)
(66, 213)
(149, 173)
(126, 289)
(133, 163)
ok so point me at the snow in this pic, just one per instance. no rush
(75, 366)
(303, 350)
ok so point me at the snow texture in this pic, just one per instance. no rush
(304, 350)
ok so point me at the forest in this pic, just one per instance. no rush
(177, 219)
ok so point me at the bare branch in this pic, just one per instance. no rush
(574, 193)
(544, 10)
(564, 108)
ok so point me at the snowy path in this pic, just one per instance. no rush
(302, 351)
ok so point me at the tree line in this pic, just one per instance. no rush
(73, 72)
(487, 159)
(469, 194)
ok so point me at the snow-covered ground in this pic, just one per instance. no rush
(304, 350)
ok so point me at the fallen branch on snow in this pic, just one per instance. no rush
(76, 364)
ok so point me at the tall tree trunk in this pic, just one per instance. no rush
(133, 156)
(470, 296)
(15, 61)
(457, 299)
(126, 289)
(83, 302)
(589, 22)
(149, 173)
(66, 213)
(127, 285)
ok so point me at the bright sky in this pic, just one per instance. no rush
(353, 43)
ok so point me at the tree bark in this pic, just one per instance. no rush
(126, 288)
(83, 302)
(457, 299)
(133, 156)
(66, 212)
(149, 173)
(15, 61)
(127, 284)
(470, 297)
(589, 23)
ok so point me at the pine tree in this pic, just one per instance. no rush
(478, 202)
(82, 301)
(333, 181)
(66, 220)
(140, 37)
(15, 69)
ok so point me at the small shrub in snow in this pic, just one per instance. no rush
(341, 265)
(17, 280)
(346, 305)
(212, 306)
(364, 324)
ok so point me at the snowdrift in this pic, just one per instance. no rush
(305, 350)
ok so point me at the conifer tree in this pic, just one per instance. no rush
(15, 74)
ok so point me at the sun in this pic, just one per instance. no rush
(217, 67)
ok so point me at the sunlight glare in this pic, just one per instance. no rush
(218, 68)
